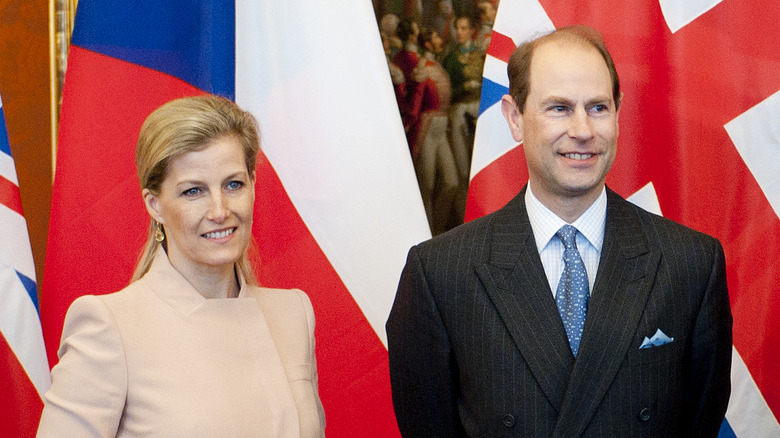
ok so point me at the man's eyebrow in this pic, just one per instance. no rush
(559, 100)
(556, 100)
(600, 100)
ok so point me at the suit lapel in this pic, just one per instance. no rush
(626, 273)
(516, 283)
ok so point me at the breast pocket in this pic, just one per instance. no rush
(671, 351)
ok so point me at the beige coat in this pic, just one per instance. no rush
(157, 359)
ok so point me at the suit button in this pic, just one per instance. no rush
(644, 414)
(509, 420)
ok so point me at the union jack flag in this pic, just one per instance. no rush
(24, 370)
(699, 143)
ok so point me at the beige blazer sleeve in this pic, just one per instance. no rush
(290, 319)
(89, 386)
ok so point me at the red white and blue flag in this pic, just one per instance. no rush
(337, 202)
(699, 143)
(24, 371)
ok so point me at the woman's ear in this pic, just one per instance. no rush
(513, 116)
(152, 205)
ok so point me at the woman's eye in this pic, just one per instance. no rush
(193, 191)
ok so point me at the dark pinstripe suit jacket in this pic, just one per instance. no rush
(477, 347)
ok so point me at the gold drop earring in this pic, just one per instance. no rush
(159, 235)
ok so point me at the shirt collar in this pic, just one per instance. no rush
(467, 47)
(545, 223)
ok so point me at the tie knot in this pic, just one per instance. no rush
(567, 234)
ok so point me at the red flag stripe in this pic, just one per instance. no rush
(501, 46)
(495, 185)
(104, 218)
(284, 241)
(9, 195)
(20, 405)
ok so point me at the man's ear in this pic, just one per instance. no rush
(618, 105)
(152, 205)
(513, 117)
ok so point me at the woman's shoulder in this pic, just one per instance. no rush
(288, 312)
(281, 298)
(108, 300)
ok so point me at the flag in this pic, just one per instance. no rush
(699, 143)
(24, 371)
(337, 205)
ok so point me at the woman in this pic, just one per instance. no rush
(192, 347)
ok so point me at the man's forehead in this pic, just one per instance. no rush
(559, 67)
(554, 53)
(563, 44)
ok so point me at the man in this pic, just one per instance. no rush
(444, 21)
(487, 15)
(434, 163)
(430, 86)
(464, 66)
(464, 63)
(409, 56)
(432, 44)
(486, 336)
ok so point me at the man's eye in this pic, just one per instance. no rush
(558, 108)
(235, 185)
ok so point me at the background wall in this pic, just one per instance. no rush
(24, 88)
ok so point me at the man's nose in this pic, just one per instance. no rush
(580, 125)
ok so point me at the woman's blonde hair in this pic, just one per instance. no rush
(186, 125)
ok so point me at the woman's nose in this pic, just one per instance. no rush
(218, 210)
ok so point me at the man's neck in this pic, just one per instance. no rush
(466, 47)
(568, 208)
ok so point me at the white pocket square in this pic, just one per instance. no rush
(659, 338)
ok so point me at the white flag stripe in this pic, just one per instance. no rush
(7, 169)
(495, 70)
(332, 132)
(647, 198)
(748, 414)
(756, 135)
(522, 20)
(21, 327)
(492, 139)
(679, 13)
(15, 243)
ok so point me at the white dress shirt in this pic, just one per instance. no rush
(590, 236)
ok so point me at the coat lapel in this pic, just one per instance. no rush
(626, 273)
(516, 283)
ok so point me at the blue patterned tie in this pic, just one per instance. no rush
(573, 291)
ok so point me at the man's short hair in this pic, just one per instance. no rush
(425, 36)
(519, 65)
(405, 28)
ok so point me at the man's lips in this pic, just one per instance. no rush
(578, 156)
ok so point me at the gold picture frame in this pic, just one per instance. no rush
(62, 14)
